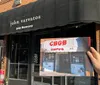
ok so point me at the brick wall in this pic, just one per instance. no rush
(9, 4)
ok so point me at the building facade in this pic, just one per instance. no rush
(24, 22)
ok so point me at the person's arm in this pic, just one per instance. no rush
(95, 58)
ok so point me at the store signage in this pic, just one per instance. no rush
(63, 44)
(18, 24)
(60, 45)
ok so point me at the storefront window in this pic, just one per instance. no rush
(47, 79)
(39, 80)
(59, 80)
(19, 57)
(13, 71)
(23, 71)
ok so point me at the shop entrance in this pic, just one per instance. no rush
(64, 63)
(19, 59)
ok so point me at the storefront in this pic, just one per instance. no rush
(24, 52)
(22, 28)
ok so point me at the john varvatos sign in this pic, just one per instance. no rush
(24, 23)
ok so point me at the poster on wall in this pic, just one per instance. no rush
(65, 57)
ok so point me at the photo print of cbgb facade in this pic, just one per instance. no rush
(65, 57)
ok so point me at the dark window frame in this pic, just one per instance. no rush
(22, 64)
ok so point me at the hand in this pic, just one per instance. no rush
(95, 58)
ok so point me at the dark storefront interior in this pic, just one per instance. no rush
(19, 58)
(26, 25)
(82, 30)
(24, 55)
(63, 62)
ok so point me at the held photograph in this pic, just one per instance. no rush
(65, 57)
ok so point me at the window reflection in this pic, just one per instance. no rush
(37, 78)
(13, 71)
(23, 71)
(19, 56)
(59, 80)
(23, 55)
(47, 80)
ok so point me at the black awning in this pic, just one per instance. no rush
(48, 13)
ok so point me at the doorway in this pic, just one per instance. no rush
(19, 59)
(64, 64)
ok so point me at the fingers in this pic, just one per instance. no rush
(91, 57)
(95, 58)
(94, 52)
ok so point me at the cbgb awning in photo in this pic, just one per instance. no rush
(47, 14)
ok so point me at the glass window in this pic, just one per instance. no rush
(36, 66)
(19, 57)
(47, 79)
(36, 73)
(23, 55)
(13, 71)
(23, 71)
(37, 78)
(59, 80)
